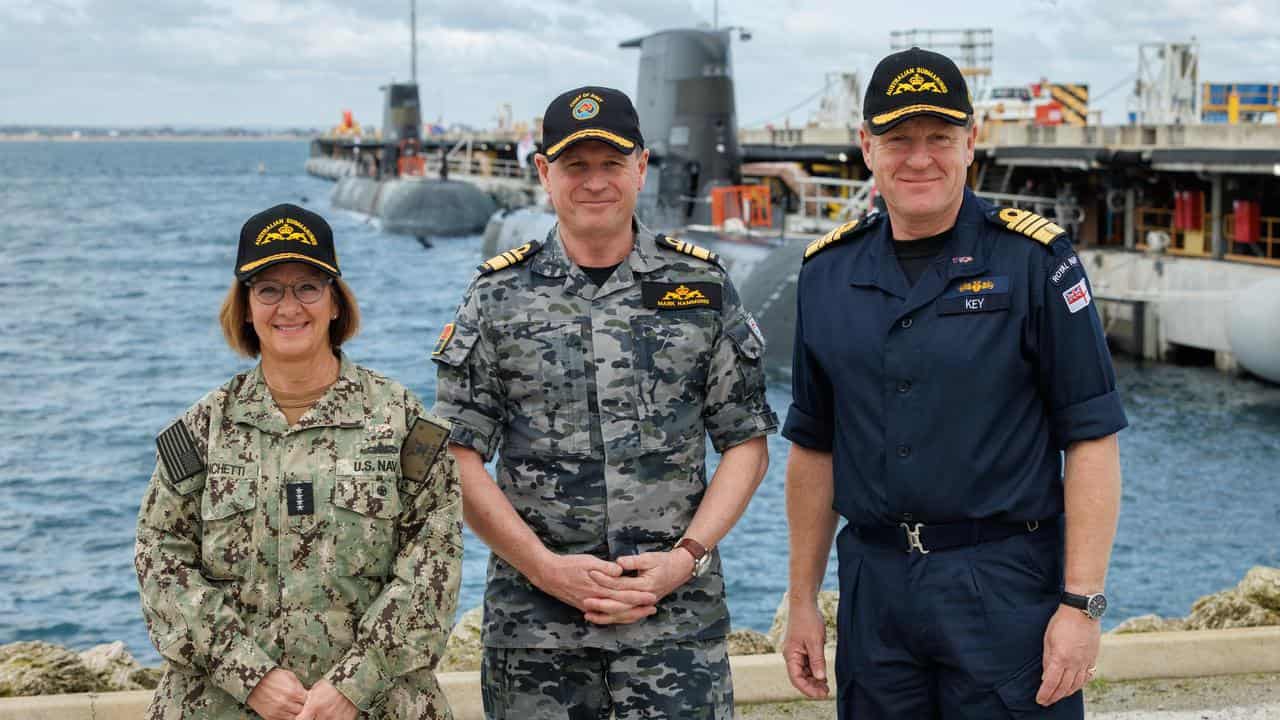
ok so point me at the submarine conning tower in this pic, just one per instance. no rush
(401, 123)
(685, 100)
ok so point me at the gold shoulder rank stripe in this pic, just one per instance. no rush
(687, 248)
(1030, 224)
(829, 239)
(514, 256)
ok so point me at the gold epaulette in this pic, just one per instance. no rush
(1038, 228)
(506, 259)
(681, 246)
(839, 235)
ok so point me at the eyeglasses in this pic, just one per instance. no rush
(270, 292)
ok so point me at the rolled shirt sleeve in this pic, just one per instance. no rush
(810, 417)
(468, 392)
(1076, 374)
(736, 407)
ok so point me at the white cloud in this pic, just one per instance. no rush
(299, 62)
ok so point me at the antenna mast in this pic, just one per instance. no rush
(413, 40)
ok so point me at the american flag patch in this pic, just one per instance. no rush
(1077, 297)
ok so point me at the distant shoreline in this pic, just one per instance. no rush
(151, 138)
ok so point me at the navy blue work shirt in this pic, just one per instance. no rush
(951, 400)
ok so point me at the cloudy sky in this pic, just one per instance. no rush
(300, 62)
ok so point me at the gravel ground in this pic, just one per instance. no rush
(1233, 697)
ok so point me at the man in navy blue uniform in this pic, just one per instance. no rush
(947, 357)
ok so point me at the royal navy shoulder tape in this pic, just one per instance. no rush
(507, 258)
(1038, 228)
(422, 447)
(178, 452)
(686, 248)
(851, 229)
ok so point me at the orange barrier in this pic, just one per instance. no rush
(411, 165)
(749, 203)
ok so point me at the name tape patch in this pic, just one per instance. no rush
(971, 295)
(1077, 297)
(679, 296)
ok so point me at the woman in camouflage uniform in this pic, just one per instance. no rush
(299, 546)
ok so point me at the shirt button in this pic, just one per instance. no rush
(904, 451)
(904, 386)
(906, 323)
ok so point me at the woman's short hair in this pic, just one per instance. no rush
(243, 339)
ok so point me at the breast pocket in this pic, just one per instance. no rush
(365, 511)
(227, 515)
(542, 365)
(671, 357)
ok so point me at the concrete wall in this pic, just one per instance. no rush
(1132, 136)
(759, 679)
(1188, 299)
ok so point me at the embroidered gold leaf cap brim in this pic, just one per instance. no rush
(262, 263)
(882, 121)
(613, 139)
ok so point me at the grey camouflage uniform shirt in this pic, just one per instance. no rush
(360, 592)
(601, 406)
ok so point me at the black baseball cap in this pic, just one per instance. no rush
(590, 113)
(285, 233)
(916, 82)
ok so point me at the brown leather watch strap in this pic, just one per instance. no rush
(694, 547)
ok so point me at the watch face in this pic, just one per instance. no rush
(1097, 605)
(701, 564)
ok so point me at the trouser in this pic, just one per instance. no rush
(665, 680)
(953, 634)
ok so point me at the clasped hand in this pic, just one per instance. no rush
(604, 594)
(280, 695)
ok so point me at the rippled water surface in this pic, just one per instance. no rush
(114, 258)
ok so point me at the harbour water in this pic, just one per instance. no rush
(114, 257)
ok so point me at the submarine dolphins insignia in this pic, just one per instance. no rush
(286, 229)
(915, 80)
(683, 296)
(976, 286)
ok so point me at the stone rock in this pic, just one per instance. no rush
(41, 668)
(828, 601)
(115, 669)
(1261, 586)
(1149, 623)
(464, 649)
(1228, 609)
(749, 642)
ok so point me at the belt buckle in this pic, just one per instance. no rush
(913, 538)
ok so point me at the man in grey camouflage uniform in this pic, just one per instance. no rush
(327, 550)
(598, 362)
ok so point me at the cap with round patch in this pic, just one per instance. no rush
(590, 113)
(916, 82)
(285, 233)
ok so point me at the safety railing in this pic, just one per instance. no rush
(483, 166)
(1265, 251)
(1153, 222)
(833, 198)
